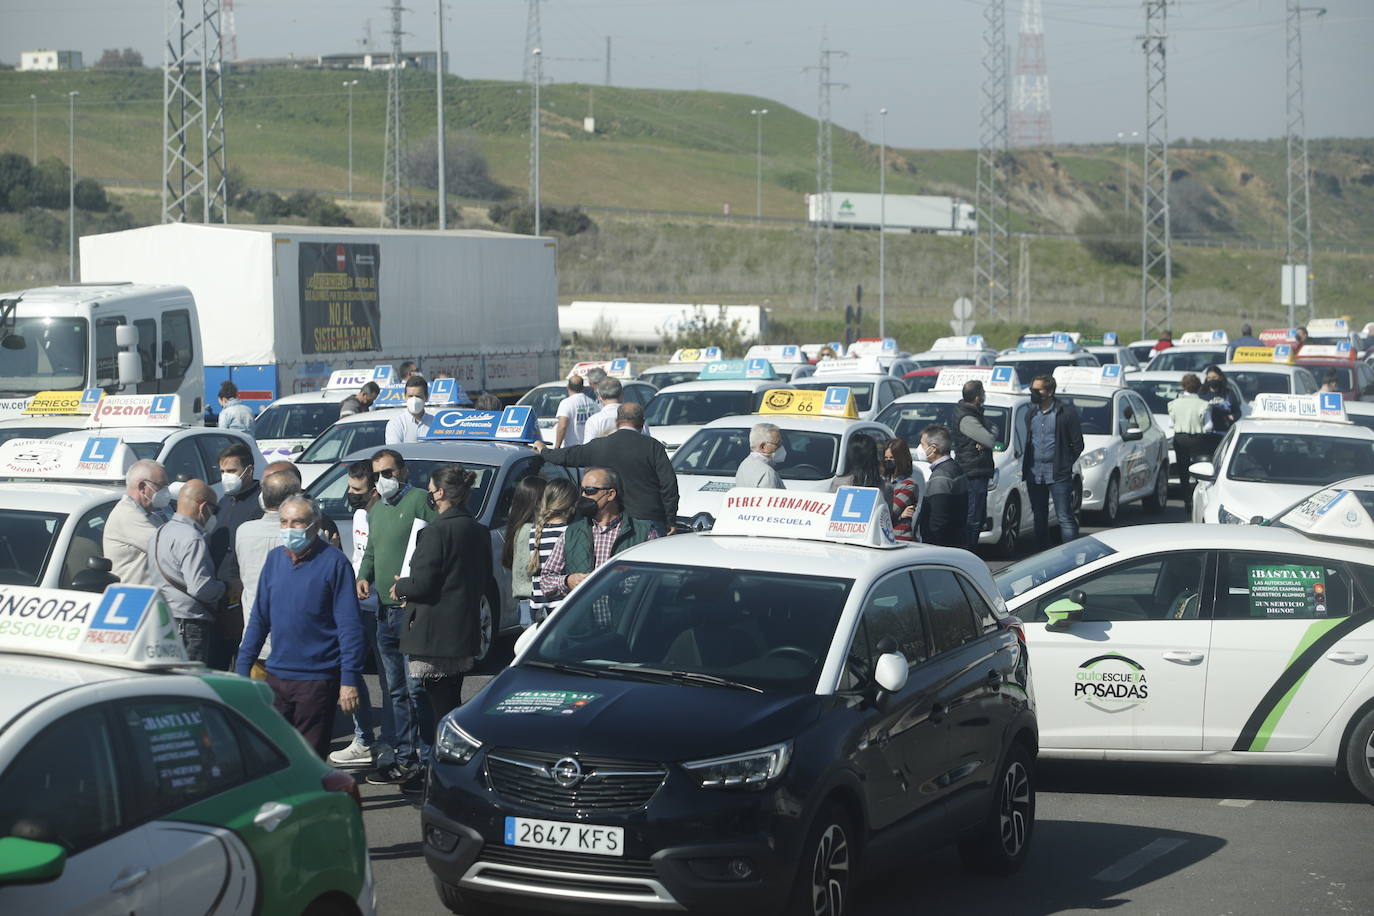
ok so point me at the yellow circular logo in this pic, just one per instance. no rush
(779, 399)
(690, 356)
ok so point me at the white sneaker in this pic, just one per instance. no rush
(356, 754)
(383, 755)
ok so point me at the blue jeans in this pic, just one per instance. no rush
(411, 740)
(977, 508)
(1040, 493)
(362, 719)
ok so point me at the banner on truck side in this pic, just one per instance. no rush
(340, 308)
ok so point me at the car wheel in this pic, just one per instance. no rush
(1159, 499)
(1111, 503)
(486, 623)
(1001, 844)
(458, 902)
(1359, 755)
(1011, 527)
(825, 874)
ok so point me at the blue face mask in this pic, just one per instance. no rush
(295, 539)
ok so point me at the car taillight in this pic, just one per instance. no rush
(1016, 626)
(339, 781)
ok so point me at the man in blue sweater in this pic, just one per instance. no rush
(307, 601)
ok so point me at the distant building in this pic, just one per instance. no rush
(50, 60)
(423, 61)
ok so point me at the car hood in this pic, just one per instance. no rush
(1248, 499)
(630, 719)
(703, 494)
(1092, 442)
(673, 436)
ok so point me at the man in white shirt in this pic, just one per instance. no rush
(133, 521)
(573, 413)
(602, 423)
(759, 467)
(411, 424)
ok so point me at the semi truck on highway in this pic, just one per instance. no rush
(280, 307)
(904, 212)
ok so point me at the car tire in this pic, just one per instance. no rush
(1111, 501)
(1002, 841)
(458, 902)
(825, 873)
(1159, 497)
(1359, 755)
(487, 624)
(1011, 527)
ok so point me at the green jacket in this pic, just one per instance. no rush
(578, 555)
(388, 534)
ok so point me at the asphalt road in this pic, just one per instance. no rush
(1134, 838)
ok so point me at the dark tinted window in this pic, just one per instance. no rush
(295, 421)
(697, 408)
(62, 788)
(329, 490)
(147, 347)
(177, 347)
(105, 349)
(1160, 587)
(344, 439)
(184, 751)
(183, 462)
(947, 610)
(27, 539)
(1258, 586)
(981, 609)
(893, 620)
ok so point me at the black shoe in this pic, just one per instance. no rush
(390, 776)
(414, 787)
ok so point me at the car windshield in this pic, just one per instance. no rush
(1142, 352)
(545, 401)
(343, 438)
(1028, 369)
(329, 491)
(26, 541)
(1105, 357)
(1049, 564)
(1345, 376)
(770, 631)
(908, 420)
(295, 421)
(31, 432)
(661, 380)
(1157, 392)
(1301, 459)
(697, 408)
(1187, 360)
(1252, 383)
(1094, 414)
(43, 354)
(920, 384)
(862, 392)
(717, 452)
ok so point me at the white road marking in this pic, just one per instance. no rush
(1137, 860)
(1236, 802)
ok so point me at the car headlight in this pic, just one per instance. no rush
(453, 744)
(750, 770)
(1094, 458)
(1228, 518)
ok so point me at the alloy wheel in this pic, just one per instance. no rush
(830, 873)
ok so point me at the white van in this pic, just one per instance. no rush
(124, 338)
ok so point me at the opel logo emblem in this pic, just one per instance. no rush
(566, 772)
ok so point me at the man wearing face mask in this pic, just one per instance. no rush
(306, 600)
(411, 424)
(1054, 440)
(760, 467)
(241, 503)
(390, 521)
(600, 530)
(179, 568)
(134, 519)
(973, 450)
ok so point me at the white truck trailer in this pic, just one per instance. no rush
(280, 307)
(905, 212)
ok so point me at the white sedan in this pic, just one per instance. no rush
(1198, 644)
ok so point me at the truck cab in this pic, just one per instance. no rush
(123, 338)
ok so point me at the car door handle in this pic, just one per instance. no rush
(129, 879)
(1183, 656)
(271, 814)
(938, 713)
(1348, 658)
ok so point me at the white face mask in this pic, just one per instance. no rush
(921, 453)
(388, 487)
(779, 454)
(415, 405)
(161, 499)
(231, 482)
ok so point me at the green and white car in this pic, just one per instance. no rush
(132, 781)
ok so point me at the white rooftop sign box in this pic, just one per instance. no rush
(994, 378)
(697, 355)
(1341, 350)
(970, 342)
(1203, 339)
(851, 515)
(103, 459)
(136, 410)
(1108, 375)
(127, 626)
(1331, 513)
(858, 365)
(1327, 406)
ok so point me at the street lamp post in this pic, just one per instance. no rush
(1126, 169)
(349, 84)
(34, 99)
(758, 114)
(534, 127)
(439, 104)
(71, 186)
(882, 226)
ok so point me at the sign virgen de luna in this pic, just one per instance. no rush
(340, 309)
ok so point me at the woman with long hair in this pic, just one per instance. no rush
(555, 511)
(907, 488)
(515, 553)
(862, 467)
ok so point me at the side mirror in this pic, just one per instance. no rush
(1066, 611)
(1203, 470)
(297, 449)
(522, 642)
(891, 672)
(96, 577)
(28, 861)
(126, 335)
(1134, 434)
(130, 368)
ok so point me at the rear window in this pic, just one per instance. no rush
(908, 420)
(344, 438)
(545, 401)
(295, 421)
(1252, 384)
(697, 408)
(1304, 460)
(1187, 360)
(718, 453)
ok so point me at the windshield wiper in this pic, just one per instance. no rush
(689, 677)
(565, 668)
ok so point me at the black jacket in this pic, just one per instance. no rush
(943, 516)
(646, 475)
(449, 571)
(976, 462)
(234, 510)
(1068, 441)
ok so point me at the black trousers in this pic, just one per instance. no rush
(308, 706)
(445, 695)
